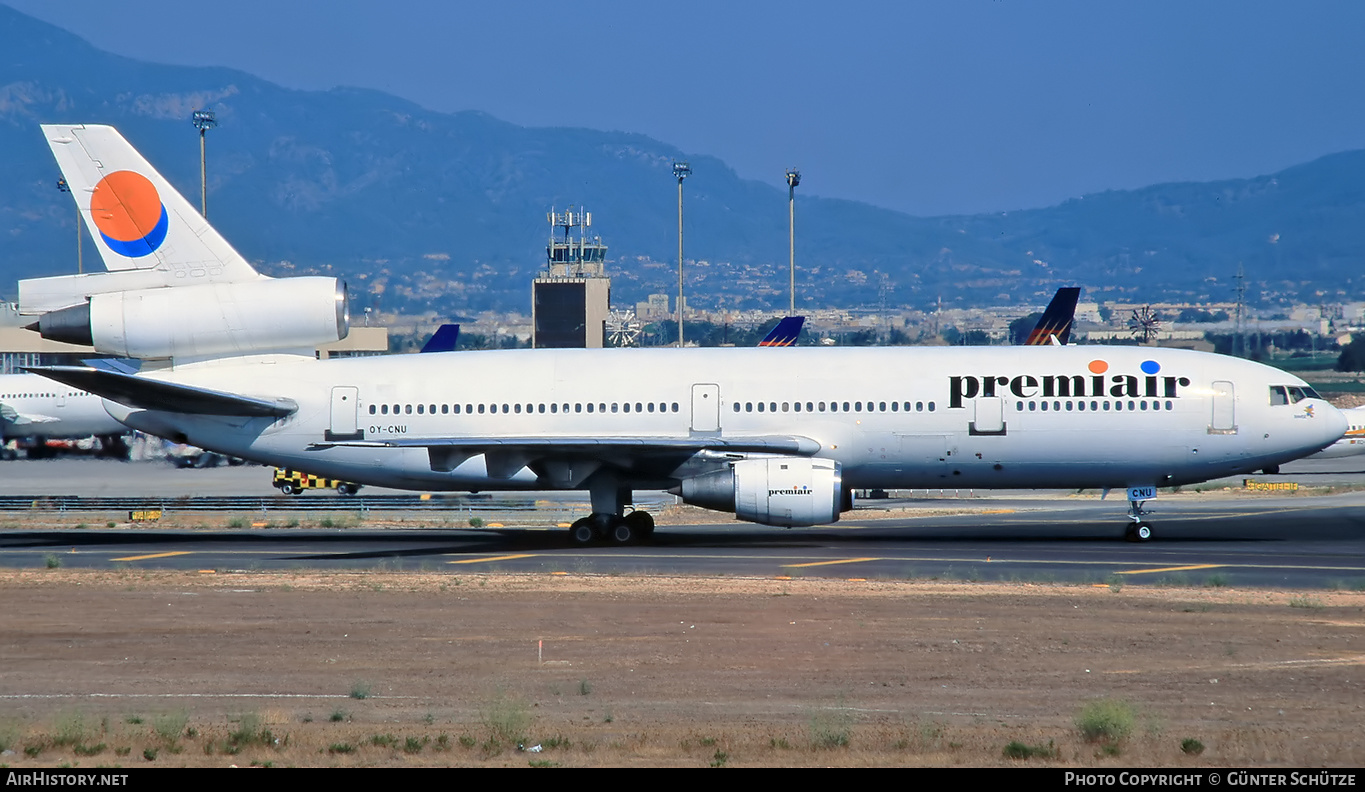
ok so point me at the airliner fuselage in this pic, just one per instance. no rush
(904, 417)
(776, 436)
(35, 406)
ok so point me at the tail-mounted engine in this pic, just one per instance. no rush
(206, 319)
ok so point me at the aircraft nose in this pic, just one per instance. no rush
(1333, 424)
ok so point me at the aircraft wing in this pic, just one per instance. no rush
(569, 460)
(149, 394)
(10, 415)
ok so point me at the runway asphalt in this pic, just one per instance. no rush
(1211, 538)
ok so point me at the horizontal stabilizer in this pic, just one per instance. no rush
(150, 394)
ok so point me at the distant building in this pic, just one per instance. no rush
(20, 347)
(570, 302)
(653, 309)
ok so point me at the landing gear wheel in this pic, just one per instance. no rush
(621, 532)
(581, 533)
(642, 523)
(1138, 532)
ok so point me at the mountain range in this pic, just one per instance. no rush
(447, 211)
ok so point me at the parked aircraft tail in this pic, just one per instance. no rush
(785, 333)
(443, 340)
(175, 289)
(1054, 326)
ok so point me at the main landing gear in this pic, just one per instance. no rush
(613, 519)
(607, 528)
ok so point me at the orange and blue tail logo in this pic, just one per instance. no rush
(129, 214)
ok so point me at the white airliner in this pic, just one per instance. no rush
(32, 406)
(777, 436)
(1350, 444)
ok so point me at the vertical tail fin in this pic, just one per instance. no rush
(786, 332)
(1054, 326)
(443, 340)
(137, 219)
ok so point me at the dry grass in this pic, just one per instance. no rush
(296, 743)
(683, 671)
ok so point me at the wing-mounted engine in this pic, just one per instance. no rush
(787, 491)
(206, 319)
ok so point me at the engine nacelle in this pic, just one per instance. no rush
(265, 315)
(788, 491)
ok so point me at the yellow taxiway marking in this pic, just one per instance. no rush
(154, 555)
(1168, 569)
(828, 563)
(494, 558)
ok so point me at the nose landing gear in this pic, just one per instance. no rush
(1138, 529)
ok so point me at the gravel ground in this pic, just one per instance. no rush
(394, 669)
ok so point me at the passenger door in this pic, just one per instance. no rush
(1224, 419)
(705, 408)
(345, 409)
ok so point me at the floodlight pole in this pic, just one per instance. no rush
(793, 179)
(681, 170)
(66, 188)
(203, 120)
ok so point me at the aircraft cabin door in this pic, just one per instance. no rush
(705, 407)
(990, 417)
(1224, 409)
(345, 409)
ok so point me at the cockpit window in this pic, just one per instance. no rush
(1278, 395)
(1299, 393)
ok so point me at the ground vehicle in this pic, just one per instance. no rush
(292, 482)
(183, 456)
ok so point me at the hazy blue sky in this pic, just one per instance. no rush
(930, 108)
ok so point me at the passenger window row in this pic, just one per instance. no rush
(833, 406)
(519, 409)
(1094, 406)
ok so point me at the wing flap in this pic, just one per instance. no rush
(149, 394)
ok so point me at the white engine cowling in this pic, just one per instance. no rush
(264, 315)
(788, 491)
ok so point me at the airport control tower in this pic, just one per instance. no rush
(569, 302)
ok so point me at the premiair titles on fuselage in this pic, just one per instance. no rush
(1098, 384)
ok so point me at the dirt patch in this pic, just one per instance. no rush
(394, 669)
